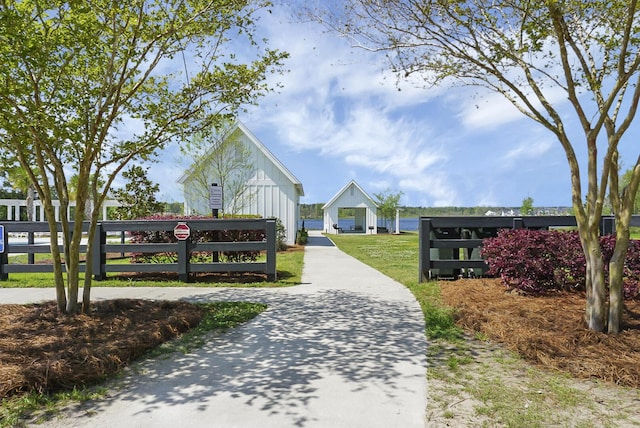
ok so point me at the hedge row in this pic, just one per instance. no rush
(537, 261)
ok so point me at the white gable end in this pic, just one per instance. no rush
(271, 190)
(365, 210)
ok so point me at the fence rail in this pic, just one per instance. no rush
(449, 247)
(33, 233)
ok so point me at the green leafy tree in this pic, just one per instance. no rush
(624, 183)
(138, 198)
(388, 203)
(176, 208)
(556, 61)
(527, 206)
(19, 180)
(87, 88)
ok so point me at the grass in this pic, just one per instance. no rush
(471, 382)
(289, 267)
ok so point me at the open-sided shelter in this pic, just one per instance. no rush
(351, 196)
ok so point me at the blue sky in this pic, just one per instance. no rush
(340, 115)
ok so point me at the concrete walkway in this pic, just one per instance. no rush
(346, 348)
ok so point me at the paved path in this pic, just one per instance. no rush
(346, 348)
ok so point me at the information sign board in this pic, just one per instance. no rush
(215, 197)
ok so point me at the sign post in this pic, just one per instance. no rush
(215, 203)
(4, 258)
(215, 199)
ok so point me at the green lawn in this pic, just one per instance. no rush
(397, 257)
(288, 265)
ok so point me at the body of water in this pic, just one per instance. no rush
(408, 224)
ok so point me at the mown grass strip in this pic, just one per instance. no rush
(288, 264)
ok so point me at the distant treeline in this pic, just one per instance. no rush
(315, 211)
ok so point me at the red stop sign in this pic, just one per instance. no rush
(181, 231)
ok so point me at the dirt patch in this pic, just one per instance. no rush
(548, 331)
(227, 278)
(41, 350)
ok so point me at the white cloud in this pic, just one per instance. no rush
(435, 187)
(489, 112)
(341, 116)
(530, 151)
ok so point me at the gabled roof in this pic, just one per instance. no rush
(344, 189)
(239, 126)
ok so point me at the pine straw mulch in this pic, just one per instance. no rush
(549, 331)
(43, 351)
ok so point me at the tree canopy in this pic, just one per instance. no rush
(388, 202)
(87, 87)
(138, 197)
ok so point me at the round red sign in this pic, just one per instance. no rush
(181, 231)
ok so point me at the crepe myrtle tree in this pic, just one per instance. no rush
(558, 62)
(87, 87)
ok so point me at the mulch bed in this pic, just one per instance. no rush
(549, 331)
(43, 351)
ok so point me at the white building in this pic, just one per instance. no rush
(365, 211)
(13, 207)
(271, 190)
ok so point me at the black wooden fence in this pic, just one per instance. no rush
(117, 230)
(449, 247)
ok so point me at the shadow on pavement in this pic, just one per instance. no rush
(273, 363)
(319, 241)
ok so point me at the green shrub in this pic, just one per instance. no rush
(281, 235)
(302, 237)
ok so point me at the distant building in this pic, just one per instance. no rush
(364, 208)
(272, 190)
(10, 209)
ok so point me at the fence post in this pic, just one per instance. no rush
(607, 226)
(271, 271)
(31, 257)
(99, 256)
(184, 253)
(518, 223)
(424, 248)
(4, 258)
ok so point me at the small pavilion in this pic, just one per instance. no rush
(352, 197)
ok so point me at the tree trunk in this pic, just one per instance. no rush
(596, 285)
(73, 242)
(616, 296)
(30, 197)
(86, 289)
(616, 272)
(61, 296)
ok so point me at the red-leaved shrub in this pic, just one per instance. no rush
(536, 261)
